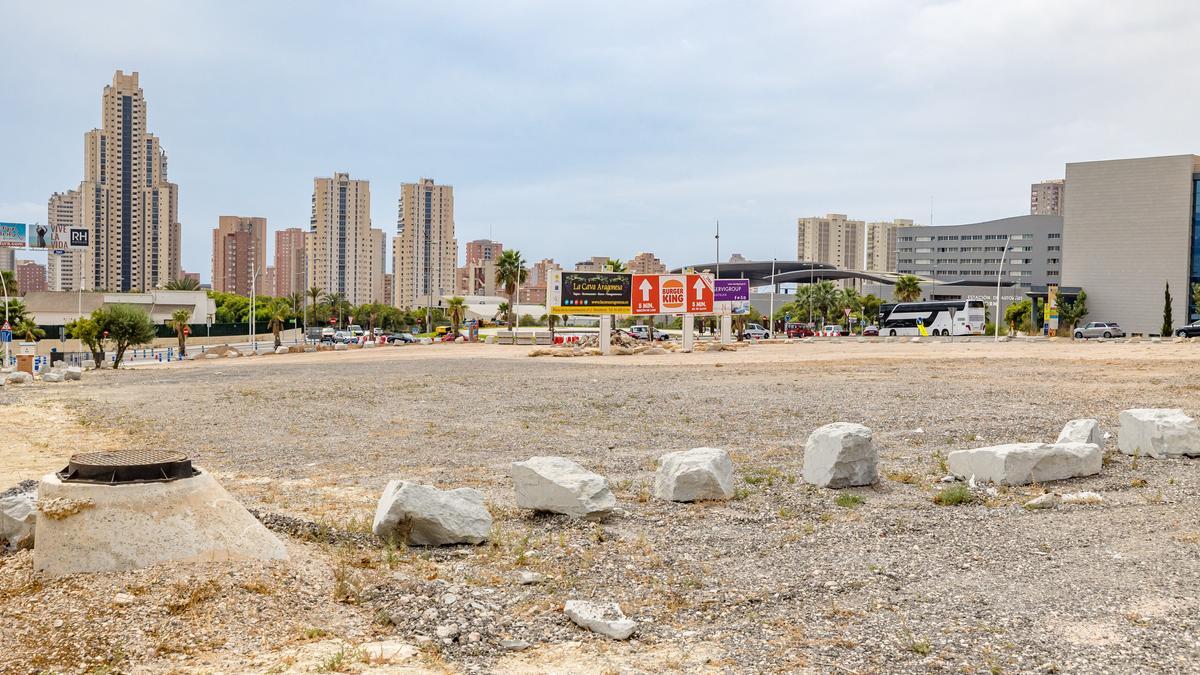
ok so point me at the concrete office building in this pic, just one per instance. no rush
(239, 256)
(126, 199)
(289, 261)
(340, 245)
(972, 252)
(1047, 198)
(64, 270)
(1131, 227)
(483, 249)
(425, 252)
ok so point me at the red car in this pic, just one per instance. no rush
(449, 337)
(799, 330)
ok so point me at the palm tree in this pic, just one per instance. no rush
(501, 310)
(907, 289)
(510, 273)
(615, 265)
(179, 322)
(456, 309)
(182, 284)
(29, 330)
(10, 283)
(337, 305)
(314, 293)
(826, 299)
(278, 313)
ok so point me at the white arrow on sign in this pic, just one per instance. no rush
(699, 286)
(645, 287)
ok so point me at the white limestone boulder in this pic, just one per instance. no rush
(281, 349)
(52, 376)
(558, 485)
(18, 515)
(840, 455)
(1024, 463)
(694, 475)
(89, 364)
(1158, 433)
(605, 618)
(18, 377)
(1082, 431)
(426, 516)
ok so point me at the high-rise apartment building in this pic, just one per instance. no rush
(289, 262)
(540, 272)
(389, 286)
(881, 244)
(239, 256)
(31, 276)
(268, 283)
(425, 250)
(64, 270)
(378, 264)
(340, 244)
(8, 259)
(833, 239)
(126, 199)
(597, 263)
(1048, 198)
(645, 263)
(483, 249)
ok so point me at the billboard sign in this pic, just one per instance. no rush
(590, 293)
(78, 237)
(12, 235)
(39, 236)
(659, 294)
(731, 290)
(699, 289)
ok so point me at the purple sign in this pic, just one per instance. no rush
(731, 290)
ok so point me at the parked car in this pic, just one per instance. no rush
(1097, 329)
(832, 329)
(343, 336)
(642, 332)
(327, 334)
(401, 338)
(871, 330)
(1190, 330)
(355, 329)
(799, 330)
(755, 332)
(450, 336)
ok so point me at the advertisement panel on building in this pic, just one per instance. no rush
(39, 236)
(12, 235)
(731, 290)
(590, 293)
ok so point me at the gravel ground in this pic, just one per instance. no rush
(780, 579)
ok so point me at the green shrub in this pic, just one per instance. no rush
(954, 495)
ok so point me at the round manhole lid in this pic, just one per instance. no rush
(128, 466)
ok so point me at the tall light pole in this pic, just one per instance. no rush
(999, 272)
(4, 284)
(771, 318)
(718, 239)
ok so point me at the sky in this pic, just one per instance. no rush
(570, 130)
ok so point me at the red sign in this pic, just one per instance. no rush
(671, 294)
(332, 321)
(699, 294)
(187, 330)
(7, 326)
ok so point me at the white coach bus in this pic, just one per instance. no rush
(907, 318)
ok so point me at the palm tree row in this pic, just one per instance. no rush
(824, 302)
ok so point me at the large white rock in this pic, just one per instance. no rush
(840, 455)
(559, 485)
(694, 475)
(18, 515)
(605, 618)
(281, 350)
(1082, 431)
(89, 364)
(1158, 433)
(73, 373)
(426, 516)
(1024, 463)
(88, 527)
(52, 376)
(19, 377)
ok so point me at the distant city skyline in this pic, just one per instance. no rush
(623, 138)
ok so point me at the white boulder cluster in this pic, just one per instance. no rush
(1158, 433)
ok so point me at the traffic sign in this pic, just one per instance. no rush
(699, 294)
(5, 335)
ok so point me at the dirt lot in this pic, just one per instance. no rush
(782, 578)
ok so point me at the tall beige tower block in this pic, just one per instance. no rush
(833, 239)
(425, 252)
(340, 243)
(64, 271)
(126, 199)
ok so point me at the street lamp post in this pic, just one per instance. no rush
(771, 318)
(4, 284)
(999, 272)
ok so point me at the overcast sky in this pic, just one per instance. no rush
(576, 129)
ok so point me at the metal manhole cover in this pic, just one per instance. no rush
(128, 466)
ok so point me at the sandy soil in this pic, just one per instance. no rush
(783, 578)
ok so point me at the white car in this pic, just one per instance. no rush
(755, 332)
(833, 330)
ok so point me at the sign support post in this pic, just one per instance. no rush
(726, 328)
(605, 334)
(689, 325)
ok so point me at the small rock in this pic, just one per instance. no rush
(388, 651)
(1083, 498)
(655, 351)
(449, 599)
(514, 645)
(447, 631)
(123, 599)
(1046, 501)
(605, 618)
(529, 578)
(473, 636)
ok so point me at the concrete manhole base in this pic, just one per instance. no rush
(88, 527)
